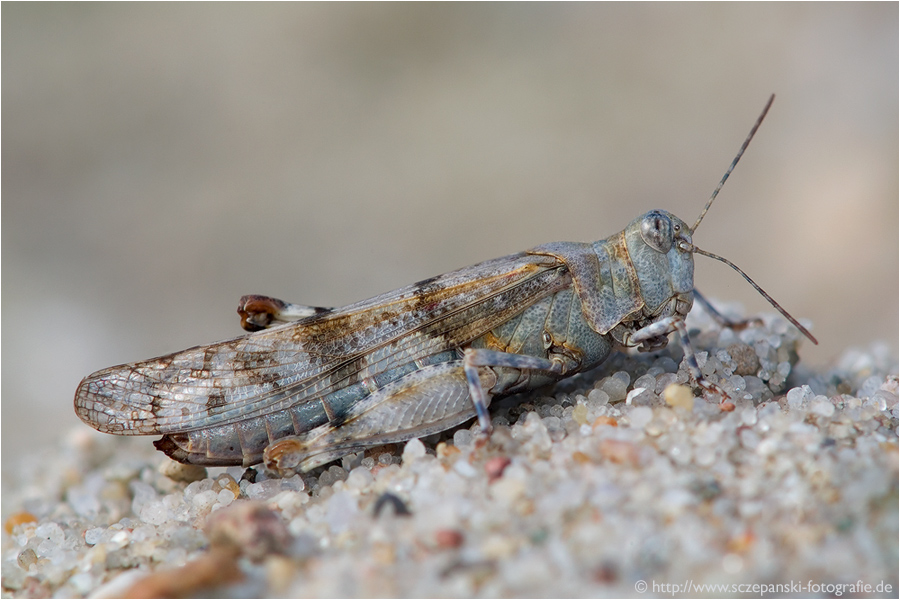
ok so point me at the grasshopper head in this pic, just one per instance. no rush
(656, 245)
(661, 249)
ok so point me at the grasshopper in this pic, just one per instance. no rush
(311, 384)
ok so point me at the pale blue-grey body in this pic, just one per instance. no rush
(392, 368)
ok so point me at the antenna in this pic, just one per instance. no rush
(734, 162)
(803, 330)
(691, 248)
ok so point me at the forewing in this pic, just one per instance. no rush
(274, 369)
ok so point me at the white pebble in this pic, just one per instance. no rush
(645, 381)
(342, 508)
(708, 434)
(822, 406)
(142, 533)
(664, 381)
(413, 450)
(882, 399)
(119, 585)
(732, 563)
(337, 473)
(681, 453)
(50, 531)
(701, 358)
(204, 500)
(799, 397)
(615, 389)
(92, 536)
(119, 538)
(640, 416)
(666, 364)
(737, 383)
(225, 497)
(633, 394)
(463, 438)
(622, 376)
(748, 416)
(359, 478)
(507, 490)
(869, 386)
(82, 582)
(155, 513)
(143, 493)
(598, 397)
(289, 500)
(767, 446)
(264, 489)
(463, 467)
(675, 499)
(705, 456)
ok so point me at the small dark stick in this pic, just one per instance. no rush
(389, 499)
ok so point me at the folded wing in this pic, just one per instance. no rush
(274, 369)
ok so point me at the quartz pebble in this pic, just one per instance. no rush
(615, 388)
(640, 416)
(628, 473)
(598, 397)
(679, 396)
(413, 450)
(181, 472)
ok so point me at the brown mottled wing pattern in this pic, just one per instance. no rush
(274, 369)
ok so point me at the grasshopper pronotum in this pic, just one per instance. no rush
(312, 384)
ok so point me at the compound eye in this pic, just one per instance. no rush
(656, 229)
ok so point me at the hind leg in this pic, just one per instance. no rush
(428, 400)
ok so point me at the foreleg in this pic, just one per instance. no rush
(669, 325)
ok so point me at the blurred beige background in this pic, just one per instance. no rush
(160, 161)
